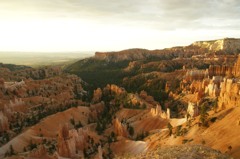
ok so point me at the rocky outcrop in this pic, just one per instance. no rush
(213, 88)
(147, 98)
(226, 90)
(41, 73)
(158, 112)
(71, 143)
(96, 110)
(196, 86)
(119, 128)
(196, 75)
(100, 152)
(223, 70)
(13, 85)
(114, 89)
(16, 105)
(197, 81)
(230, 93)
(4, 125)
(63, 144)
(130, 55)
(167, 86)
(40, 152)
(80, 138)
(236, 70)
(192, 110)
(133, 65)
(142, 54)
(1, 83)
(97, 95)
(143, 94)
(229, 45)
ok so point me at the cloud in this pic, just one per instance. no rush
(114, 24)
(158, 14)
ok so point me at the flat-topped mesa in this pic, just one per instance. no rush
(101, 55)
(229, 45)
(141, 54)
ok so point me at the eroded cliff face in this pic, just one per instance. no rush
(213, 87)
(196, 75)
(71, 143)
(230, 93)
(96, 110)
(114, 89)
(230, 45)
(63, 148)
(40, 152)
(160, 113)
(236, 70)
(223, 70)
(132, 54)
(119, 128)
(192, 110)
(218, 82)
(14, 106)
(97, 95)
(140, 54)
(4, 125)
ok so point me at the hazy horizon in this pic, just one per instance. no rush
(78, 25)
(41, 58)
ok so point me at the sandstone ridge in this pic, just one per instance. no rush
(226, 44)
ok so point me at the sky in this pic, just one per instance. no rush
(108, 25)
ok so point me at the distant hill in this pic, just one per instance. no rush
(227, 45)
(13, 67)
(142, 54)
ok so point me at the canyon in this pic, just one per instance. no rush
(134, 103)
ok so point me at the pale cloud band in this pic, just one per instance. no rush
(113, 24)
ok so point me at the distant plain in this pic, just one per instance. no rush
(36, 59)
